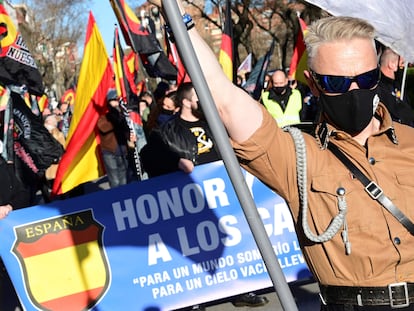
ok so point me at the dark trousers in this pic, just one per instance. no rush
(332, 307)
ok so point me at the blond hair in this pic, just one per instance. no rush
(335, 28)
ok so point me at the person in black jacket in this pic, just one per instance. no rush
(389, 89)
(116, 140)
(182, 142)
(13, 195)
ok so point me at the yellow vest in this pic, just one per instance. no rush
(291, 115)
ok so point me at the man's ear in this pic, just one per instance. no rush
(393, 64)
(311, 83)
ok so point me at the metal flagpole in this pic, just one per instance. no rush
(403, 80)
(192, 65)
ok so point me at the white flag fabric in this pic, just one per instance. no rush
(393, 20)
(246, 65)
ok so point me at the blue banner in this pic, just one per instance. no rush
(165, 243)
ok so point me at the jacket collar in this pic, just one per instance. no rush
(324, 131)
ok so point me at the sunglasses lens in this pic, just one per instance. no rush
(335, 84)
(340, 84)
(368, 79)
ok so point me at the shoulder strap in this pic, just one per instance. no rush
(373, 189)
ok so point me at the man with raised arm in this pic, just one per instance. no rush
(354, 224)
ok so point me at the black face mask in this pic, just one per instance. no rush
(351, 111)
(279, 89)
(167, 112)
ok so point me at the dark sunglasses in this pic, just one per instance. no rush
(341, 84)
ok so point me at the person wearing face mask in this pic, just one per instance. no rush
(358, 251)
(182, 142)
(283, 102)
(389, 91)
(164, 110)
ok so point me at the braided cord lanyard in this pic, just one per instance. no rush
(339, 220)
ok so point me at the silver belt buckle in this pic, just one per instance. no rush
(399, 305)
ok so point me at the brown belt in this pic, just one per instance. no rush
(396, 295)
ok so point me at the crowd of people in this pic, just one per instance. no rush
(351, 98)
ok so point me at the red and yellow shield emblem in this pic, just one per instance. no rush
(63, 261)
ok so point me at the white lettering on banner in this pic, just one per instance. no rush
(186, 249)
(282, 219)
(213, 264)
(248, 256)
(157, 250)
(281, 248)
(207, 235)
(250, 270)
(221, 277)
(207, 238)
(166, 204)
(167, 290)
(193, 198)
(233, 234)
(193, 283)
(153, 279)
(181, 272)
(215, 189)
(293, 260)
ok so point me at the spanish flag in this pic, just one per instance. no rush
(299, 59)
(81, 162)
(68, 97)
(226, 50)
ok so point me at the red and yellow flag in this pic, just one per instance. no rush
(68, 97)
(121, 82)
(299, 59)
(80, 280)
(143, 42)
(174, 57)
(226, 50)
(81, 162)
(42, 101)
(131, 70)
